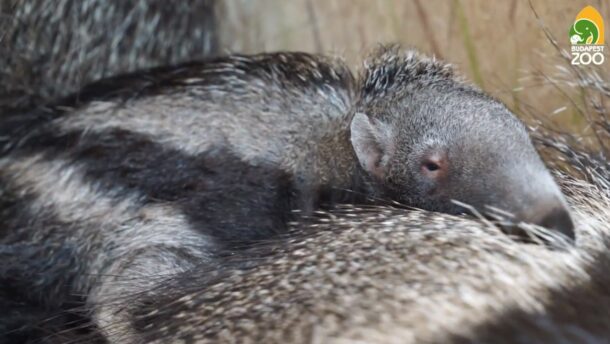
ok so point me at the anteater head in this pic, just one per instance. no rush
(428, 139)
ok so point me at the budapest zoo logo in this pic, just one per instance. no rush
(587, 37)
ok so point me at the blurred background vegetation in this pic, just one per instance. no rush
(500, 45)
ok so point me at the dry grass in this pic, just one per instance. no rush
(499, 44)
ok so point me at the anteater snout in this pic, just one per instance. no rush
(554, 216)
(558, 219)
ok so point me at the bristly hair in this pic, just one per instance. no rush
(390, 68)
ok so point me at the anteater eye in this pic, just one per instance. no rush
(434, 165)
(430, 166)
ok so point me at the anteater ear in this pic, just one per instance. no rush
(372, 142)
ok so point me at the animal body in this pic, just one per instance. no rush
(406, 129)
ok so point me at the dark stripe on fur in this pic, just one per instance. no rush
(202, 186)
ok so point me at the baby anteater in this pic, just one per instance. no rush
(406, 129)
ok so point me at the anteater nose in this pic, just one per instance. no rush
(559, 219)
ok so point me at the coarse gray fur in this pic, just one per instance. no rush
(387, 275)
(50, 49)
(127, 185)
(128, 172)
(373, 275)
(382, 275)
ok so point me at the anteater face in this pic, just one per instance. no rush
(431, 148)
